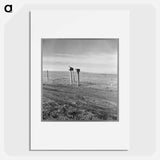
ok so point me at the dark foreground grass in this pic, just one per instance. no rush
(71, 103)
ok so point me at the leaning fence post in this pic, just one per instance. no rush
(78, 77)
(47, 76)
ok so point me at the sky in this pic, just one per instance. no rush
(90, 55)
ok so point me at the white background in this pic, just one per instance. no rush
(79, 135)
(14, 122)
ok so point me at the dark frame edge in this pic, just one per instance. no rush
(29, 80)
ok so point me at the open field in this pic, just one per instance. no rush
(94, 100)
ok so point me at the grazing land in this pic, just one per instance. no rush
(94, 100)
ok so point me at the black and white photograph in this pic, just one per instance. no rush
(79, 80)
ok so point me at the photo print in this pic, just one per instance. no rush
(80, 79)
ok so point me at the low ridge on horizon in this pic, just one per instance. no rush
(80, 71)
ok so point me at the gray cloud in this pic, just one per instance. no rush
(94, 55)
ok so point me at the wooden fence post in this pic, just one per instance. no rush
(78, 77)
(47, 76)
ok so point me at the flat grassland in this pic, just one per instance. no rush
(96, 98)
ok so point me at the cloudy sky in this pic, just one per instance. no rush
(90, 55)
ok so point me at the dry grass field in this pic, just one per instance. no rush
(94, 100)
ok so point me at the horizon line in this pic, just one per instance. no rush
(80, 71)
